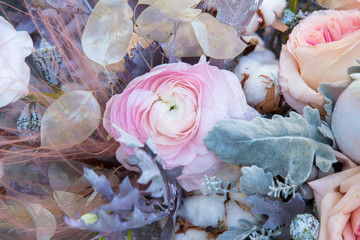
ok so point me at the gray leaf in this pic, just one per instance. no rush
(282, 146)
(255, 180)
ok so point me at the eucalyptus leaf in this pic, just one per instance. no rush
(285, 146)
(70, 120)
(157, 21)
(255, 180)
(216, 39)
(108, 31)
(43, 219)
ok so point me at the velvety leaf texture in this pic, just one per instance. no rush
(285, 146)
(255, 180)
(279, 212)
(100, 183)
(236, 13)
(236, 233)
(331, 92)
(131, 208)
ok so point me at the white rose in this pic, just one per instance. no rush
(14, 72)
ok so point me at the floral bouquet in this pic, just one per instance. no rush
(180, 119)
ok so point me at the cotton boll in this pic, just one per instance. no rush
(203, 211)
(266, 15)
(247, 64)
(238, 196)
(253, 25)
(234, 212)
(271, 9)
(192, 234)
(260, 82)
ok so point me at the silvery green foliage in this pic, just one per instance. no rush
(304, 226)
(331, 92)
(285, 146)
(255, 180)
(29, 122)
(48, 60)
(237, 13)
(354, 72)
(132, 208)
(99, 183)
(215, 186)
(240, 232)
(279, 213)
(246, 229)
(284, 189)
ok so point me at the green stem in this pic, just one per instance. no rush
(293, 6)
(129, 234)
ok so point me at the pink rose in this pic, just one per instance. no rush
(320, 49)
(14, 72)
(177, 105)
(340, 4)
(337, 198)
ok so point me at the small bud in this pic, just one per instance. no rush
(89, 218)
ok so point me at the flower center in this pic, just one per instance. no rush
(333, 30)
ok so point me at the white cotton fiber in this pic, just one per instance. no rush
(203, 211)
(192, 234)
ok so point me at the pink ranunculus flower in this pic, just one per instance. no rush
(320, 49)
(337, 198)
(14, 72)
(177, 105)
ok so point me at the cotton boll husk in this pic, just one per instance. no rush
(260, 46)
(192, 234)
(259, 82)
(234, 212)
(345, 121)
(203, 211)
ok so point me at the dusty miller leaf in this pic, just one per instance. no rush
(237, 233)
(255, 180)
(279, 212)
(285, 146)
(100, 183)
(331, 92)
(70, 120)
(236, 13)
(108, 31)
